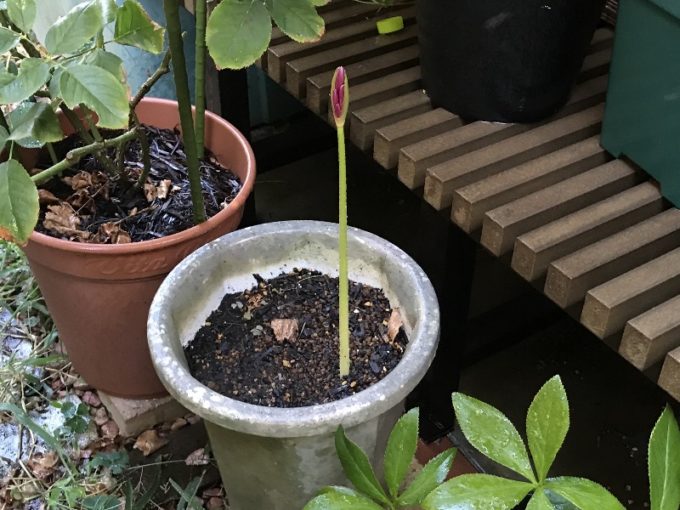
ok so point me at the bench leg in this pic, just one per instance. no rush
(451, 277)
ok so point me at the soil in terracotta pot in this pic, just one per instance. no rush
(276, 344)
(88, 204)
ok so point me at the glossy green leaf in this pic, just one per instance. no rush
(341, 498)
(490, 431)
(77, 27)
(37, 122)
(401, 447)
(583, 494)
(18, 203)
(664, 463)
(539, 501)
(238, 33)
(101, 502)
(357, 467)
(109, 10)
(8, 39)
(429, 478)
(134, 27)
(298, 19)
(97, 89)
(547, 424)
(32, 75)
(106, 60)
(477, 492)
(22, 13)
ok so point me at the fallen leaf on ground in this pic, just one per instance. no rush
(284, 329)
(215, 504)
(62, 219)
(80, 200)
(110, 429)
(197, 458)
(394, 324)
(46, 197)
(81, 180)
(163, 189)
(192, 418)
(178, 424)
(42, 465)
(91, 399)
(150, 191)
(149, 441)
(111, 232)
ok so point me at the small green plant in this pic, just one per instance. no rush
(664, 463)
(492, 433)
(76, 417)
(369, 493)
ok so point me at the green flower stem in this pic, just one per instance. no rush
(75, 155)
(53, 155)
(199, 122)
(174, 28)
(343, 291)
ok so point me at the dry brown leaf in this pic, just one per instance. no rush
(110, 429)
(149, 441)
(394, 324)
(150, 191)
(197, 458)
(81, 180)
(42, 465)
(80, 200)
(178, 424)
(101, 416)
(46, 197)
(285, 329)
(163, 189)
(111, 232)
(62, 219)
(215, 504)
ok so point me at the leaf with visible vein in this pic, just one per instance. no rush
(664, 463)
(428, 479)
(33, 74)
(78, 26)
(477, 492)
(401, 447)
(18, 207)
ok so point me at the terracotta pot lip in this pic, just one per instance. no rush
(179, 237)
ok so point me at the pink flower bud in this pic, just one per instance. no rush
(339, 95)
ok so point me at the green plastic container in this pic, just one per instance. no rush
(642, 117)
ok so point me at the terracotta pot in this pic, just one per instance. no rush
(99, 295)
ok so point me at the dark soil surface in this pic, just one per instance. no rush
(88, 204)
(237, 353)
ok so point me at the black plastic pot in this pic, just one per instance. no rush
(503, 60)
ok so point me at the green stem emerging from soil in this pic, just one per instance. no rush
(174, 28)
(75, 155)
(199, 122)
(146, 155)
(343, 283)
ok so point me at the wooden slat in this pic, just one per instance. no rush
(383, 88)
(648, 337)
(536, 249)
(390, 139)
(471, 202)
(374, 57)
(609, 306)
(669, 379)
(602, 38)
(595, 64)
(571, 277)
(504, 224)
(365, 121)
(278, 56)
(444, 178)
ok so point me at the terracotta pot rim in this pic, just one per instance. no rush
(179, 237)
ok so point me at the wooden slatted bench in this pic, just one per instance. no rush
(594, 234)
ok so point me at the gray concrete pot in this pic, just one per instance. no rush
(276, 458)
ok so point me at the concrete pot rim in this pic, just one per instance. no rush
(295, 421)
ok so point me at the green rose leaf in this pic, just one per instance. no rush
(32, 75)
(490, 431)
(22, 13)
(428, 479)
(298, 19)
(106, 60)
(357, 467)
(8, 39)
(238, 32)
(109, 10)
(97, 89)
(134, 27)
(341, 498)
(36, 122)
(547, 424)
(401, 447)
(477, 492)
(18, 202)
(583, 493)
(664, 463)
(77, 27)
(539, 501)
